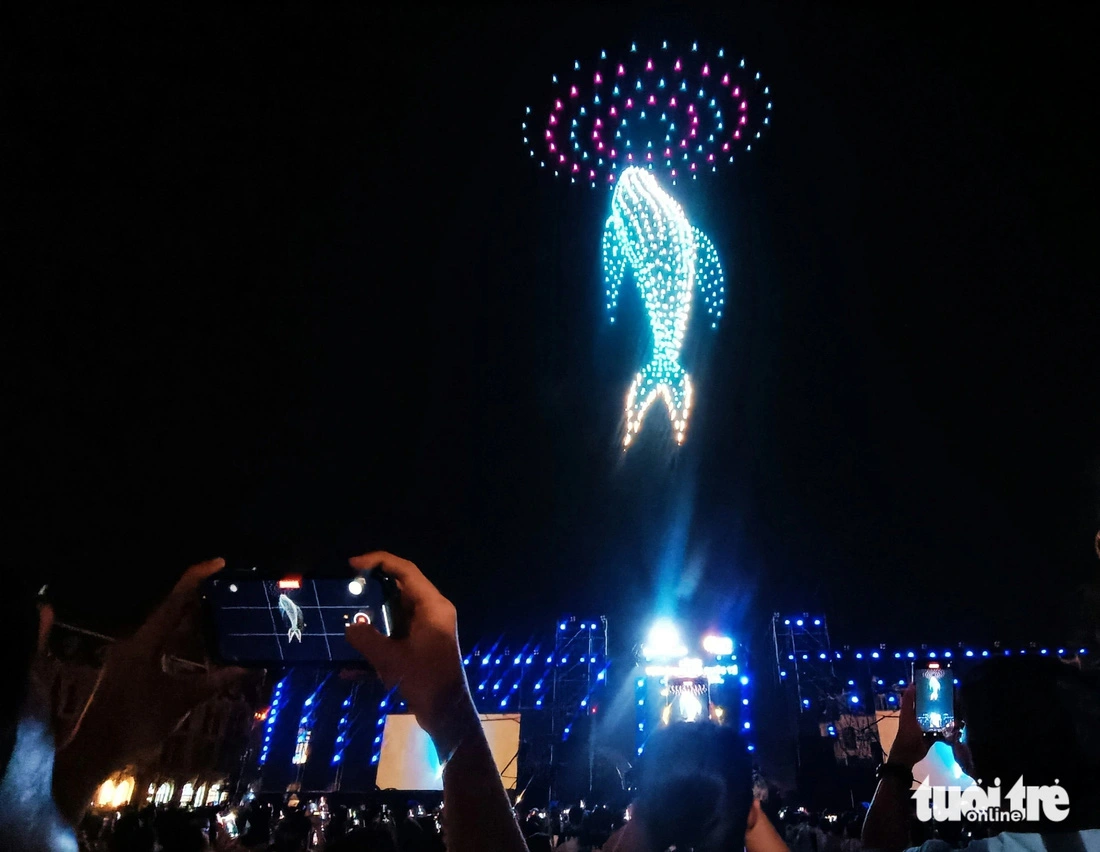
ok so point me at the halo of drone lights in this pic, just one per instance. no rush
(680, 112)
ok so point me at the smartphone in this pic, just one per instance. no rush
(273, 620)
(935, 695)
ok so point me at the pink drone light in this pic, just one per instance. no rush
(688, 112)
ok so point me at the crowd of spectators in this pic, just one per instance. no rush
(1031, 718)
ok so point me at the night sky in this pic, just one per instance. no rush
(289, 287)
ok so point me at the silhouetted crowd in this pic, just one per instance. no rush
(696, 789)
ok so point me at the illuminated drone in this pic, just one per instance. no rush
(629, 123)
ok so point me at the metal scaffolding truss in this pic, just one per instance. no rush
(580, 651)
(804, 663)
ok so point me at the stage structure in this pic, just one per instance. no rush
(325, 734)
(804, 663)
(841, 695)
(580, 672)
(677, 683)
(641, 122)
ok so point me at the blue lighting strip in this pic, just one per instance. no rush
(272, 716)
(384, 707)
(305, 725)
(746, 718)
(499, 681)
(343, 727)
(586, 706)
(540, 684)
(640, 698)
(807, 623)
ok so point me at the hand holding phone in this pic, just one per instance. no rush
(271, 619)
(424, 658)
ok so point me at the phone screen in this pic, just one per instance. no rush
(935, 696)
(294, 620)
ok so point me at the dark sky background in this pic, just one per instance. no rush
(289, 287)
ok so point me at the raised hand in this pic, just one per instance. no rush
(909, 745)
(138, 702)
(425, 663)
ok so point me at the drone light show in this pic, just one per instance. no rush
(623, 122)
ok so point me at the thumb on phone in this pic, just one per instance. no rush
(377, 649)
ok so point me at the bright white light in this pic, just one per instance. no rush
(232, 587)
(649, 236)
(691, 666)
(664, 641)
(356, 587)
(690, 707)
(718, 645)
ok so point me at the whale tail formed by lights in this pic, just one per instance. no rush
(293, 615)
(649, 235)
